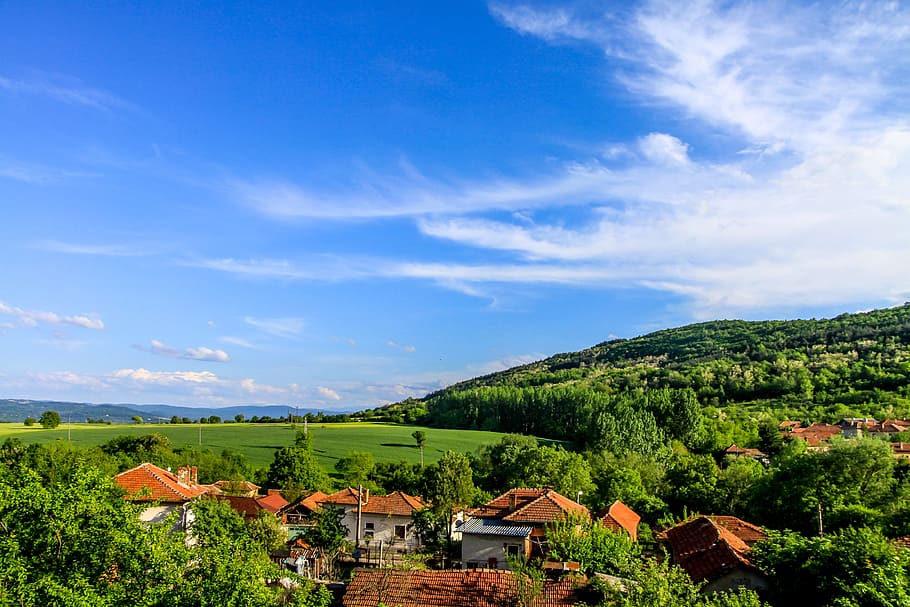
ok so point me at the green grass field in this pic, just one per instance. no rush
(258, 442)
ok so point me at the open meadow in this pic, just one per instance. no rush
(258, 442)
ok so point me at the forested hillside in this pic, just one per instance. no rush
(823, 370)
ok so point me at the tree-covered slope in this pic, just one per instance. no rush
(854, 364)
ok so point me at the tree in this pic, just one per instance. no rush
(296, 468)
(137, 419)
(449, 486)
(597, 548)
(30, 421)
(328, 532)
(849, 568)
(356, 468)
(49, 419)
(239, 418)
(420, 437)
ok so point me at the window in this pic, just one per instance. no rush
(400, 531)
(369, 526)
(512, 549)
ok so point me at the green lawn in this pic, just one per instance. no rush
(259, 441)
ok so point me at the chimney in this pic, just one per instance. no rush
(365, 496)
(187, 475)
(512, 501)
(274, 491)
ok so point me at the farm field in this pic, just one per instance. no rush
(258, 442)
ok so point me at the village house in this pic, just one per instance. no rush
(513, 524)
(621, 518)
(249, 507)
(299, 515)
(454, 588)
(716, 550)
(164, 491)
(816, 435)
(758, 455)
(382, 521)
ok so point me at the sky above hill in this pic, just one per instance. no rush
(337, 205)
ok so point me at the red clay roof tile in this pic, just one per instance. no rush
(149, 483)
(471, 588)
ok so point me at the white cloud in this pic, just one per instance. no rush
(288, 328)
(250, 386)
(664, 149)
(328, 393)
(32, 318)
(167, 378)
(401, 347)
(811, 206)
(201, 353)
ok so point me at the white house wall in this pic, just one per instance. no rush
(477, 550)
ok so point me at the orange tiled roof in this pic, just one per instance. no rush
(149, 483)
(529, 505)
(817, 433)
(470, 588)
(396, 503)
(618, 517)
(238, 487)
(272, 502)
(706, 549)
(747, 532)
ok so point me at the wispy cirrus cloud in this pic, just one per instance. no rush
(239, 341)
(63, 89)
(201, 353)
(33, 318)
(287, 328)
(100, 250)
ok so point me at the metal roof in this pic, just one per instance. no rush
(481, 526)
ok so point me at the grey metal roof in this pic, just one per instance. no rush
(482, 526)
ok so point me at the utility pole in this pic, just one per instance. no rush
(821, 529)
(359, 517)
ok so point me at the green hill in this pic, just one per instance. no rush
(854, 364)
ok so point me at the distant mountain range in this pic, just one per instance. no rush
(16, 410)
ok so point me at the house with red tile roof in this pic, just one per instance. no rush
(620, 517)
(164, 491)
(817, 434)
(716, 550)
(513, 524)
(237, 488)
(384, 520)
(250, 507)
(735, 450)
(455, 588)
(299, 513)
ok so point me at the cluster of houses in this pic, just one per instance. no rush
(817, 435)
(713, 549)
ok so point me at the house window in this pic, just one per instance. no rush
(512, 549)
(369, 526)
(400, 531)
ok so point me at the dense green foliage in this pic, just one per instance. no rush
(824, 370)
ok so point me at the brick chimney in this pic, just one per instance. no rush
(513, 500)
(365, 496)
(188, 475)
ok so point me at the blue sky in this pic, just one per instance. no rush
(338, 205)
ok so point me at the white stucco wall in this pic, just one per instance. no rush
(477, 550)
(383, 529)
